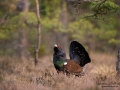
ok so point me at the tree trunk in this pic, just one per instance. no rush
(118, 57)
(39, 32)
(62, 38)
(118, 63)
(23, 43)
(118, 2)
(23, 6)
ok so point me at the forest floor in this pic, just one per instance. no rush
(100, 74)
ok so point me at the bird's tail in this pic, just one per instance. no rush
(78, 53)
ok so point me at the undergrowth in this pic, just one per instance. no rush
(23, 75)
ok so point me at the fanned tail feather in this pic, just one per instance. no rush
(79, 54)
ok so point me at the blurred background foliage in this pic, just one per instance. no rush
(95, 25)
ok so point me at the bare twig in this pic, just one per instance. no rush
(39, 33)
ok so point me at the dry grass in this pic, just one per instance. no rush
(18, 75)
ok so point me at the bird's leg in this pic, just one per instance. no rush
(77, 75)
(58, 71)
(80, 74)
(83, 71)
(67, 74)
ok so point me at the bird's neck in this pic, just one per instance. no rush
(59, 63)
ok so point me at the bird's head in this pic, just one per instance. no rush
(58, 51)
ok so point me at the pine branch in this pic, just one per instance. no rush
(95, 15)
(99, 7)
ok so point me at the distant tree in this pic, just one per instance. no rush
(118, 56)
(118, 63)
(23, 6)
(63, 18)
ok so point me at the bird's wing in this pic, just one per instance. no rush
(78, 53)
(72, 67)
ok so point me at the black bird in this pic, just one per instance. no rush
(78, 59)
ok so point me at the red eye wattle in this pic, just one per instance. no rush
(59, 47)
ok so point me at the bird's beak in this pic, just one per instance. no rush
(55, 45)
